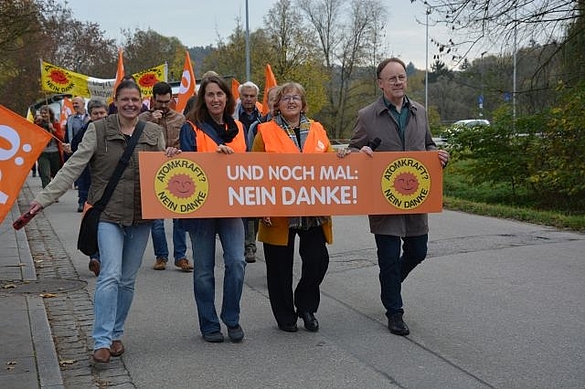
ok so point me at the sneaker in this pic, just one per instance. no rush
(80, 208)
(160, 264)
(236, 333)
(213, 337)
(250, 254)
(397, 326)
(184, 264)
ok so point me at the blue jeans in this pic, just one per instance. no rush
(179, 241)
(159, 239)
(231, 234)
(395, 268)
(83, 183)
(121, 250)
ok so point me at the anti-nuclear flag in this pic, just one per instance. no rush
(188, 81)
(60, 80)
(147, 78)
(270, 82)
(21, 143)
(235, 87)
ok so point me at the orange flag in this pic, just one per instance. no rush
(66, 110)
(235, 86)
(188, 81)
(21, 143)
(268, 84)
(119, 72)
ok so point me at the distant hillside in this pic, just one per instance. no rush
(198, 54)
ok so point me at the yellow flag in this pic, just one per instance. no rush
(147, 78)
(60, 80)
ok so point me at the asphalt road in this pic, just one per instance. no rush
(497, 304)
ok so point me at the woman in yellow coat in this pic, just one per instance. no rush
(290, 131)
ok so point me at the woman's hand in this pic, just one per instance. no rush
(35, 207)
(172, 151)
(224, 149)
(342, 153)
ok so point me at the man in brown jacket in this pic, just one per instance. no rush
(399, 124)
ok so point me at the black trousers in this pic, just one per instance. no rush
(279, 273)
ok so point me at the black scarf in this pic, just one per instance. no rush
(227, 135)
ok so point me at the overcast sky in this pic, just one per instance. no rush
(200, 22)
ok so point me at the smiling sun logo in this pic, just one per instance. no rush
(406, 183)
(181, 186)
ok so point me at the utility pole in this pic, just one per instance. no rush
(428, 11)
(247, 43)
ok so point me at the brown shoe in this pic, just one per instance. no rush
(160, 264)
(184, 264)
(117, 348)
(94, 266)
(102, 355)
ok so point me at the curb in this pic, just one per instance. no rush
(49, 372)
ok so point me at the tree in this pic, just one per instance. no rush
(349, 36)
(145, 49)
(485, 20)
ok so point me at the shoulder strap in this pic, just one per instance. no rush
(120, 167)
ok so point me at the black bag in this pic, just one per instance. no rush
(87, 239)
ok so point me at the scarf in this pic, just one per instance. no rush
(227, 135)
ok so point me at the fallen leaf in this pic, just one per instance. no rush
(11, 363)
(9, 286)
(65, 362)
(47, 295)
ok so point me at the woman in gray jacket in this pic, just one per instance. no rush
(122, 233)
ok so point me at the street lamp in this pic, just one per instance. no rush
(247, 43)
(428, 12)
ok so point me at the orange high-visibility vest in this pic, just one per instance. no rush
(276, 140)
(206, 144)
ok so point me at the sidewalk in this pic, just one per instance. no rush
(27, 354)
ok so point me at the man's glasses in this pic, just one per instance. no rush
(395, 79)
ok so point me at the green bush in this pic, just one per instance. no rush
(536, 160)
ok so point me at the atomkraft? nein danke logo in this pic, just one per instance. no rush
(181, 186)
(406, 183)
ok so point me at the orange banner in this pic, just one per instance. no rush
(21, 143)
(201, 185)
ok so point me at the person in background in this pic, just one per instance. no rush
(75, 122)
(122, 232)
(251, 224)
(51, 159)
(190, 105)
(98, 109)
(402, 125)
(247, 113)
(210, 128)
(253, 130)
(290, 131)
(38, 121)
(171, 122)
